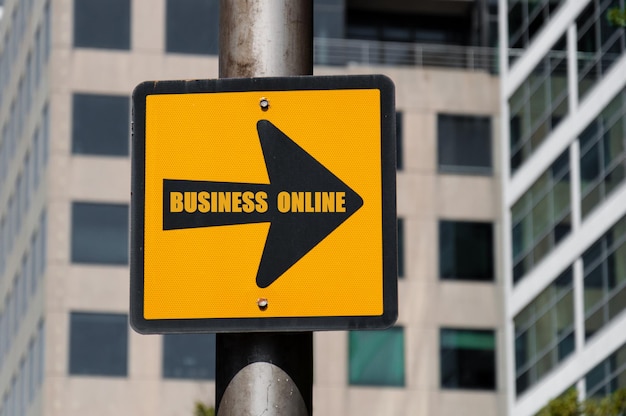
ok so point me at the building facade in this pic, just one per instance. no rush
(67, 69)
(563, 99)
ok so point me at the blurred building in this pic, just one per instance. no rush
(67, 68)
(563, 99)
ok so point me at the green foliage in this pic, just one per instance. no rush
(565, 405)
(617, 16)
(202, 409)
(568, 405)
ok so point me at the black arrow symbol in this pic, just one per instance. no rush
(325, 202)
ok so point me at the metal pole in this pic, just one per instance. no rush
(265, 373)
(269, 374)
(265, 38)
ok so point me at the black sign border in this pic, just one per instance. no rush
(270, 324)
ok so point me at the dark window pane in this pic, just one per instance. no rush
(467, 359)
(190, 356)
(521, 350)
(98, 344)
(541, 217)
(466, 250)
(604, 276)
(464, 143)
(337, 3)
(608, 376)
(328, 24)
(99, 233)
(377, 357)
(603, 150)
(566, 346)
(544, 332)
(102, 24)
(328, 19)
(539, 103)
(192, 26)
(595, 378)
(399, 162)
(407, 26)
(526, 18)
(100, 125)
(400, 247)
(521, 382)
(600, 43)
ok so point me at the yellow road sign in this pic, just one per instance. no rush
(263, 204)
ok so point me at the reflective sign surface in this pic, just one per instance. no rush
(263, 204)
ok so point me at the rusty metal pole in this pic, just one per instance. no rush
(265, 372)
(260, 38)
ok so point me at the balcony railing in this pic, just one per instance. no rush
(366, 52)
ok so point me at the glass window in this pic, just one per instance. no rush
(189, 356)
(19, 209)
(98, 344)
(328, 25)
(526, 19)
(94, 21)
(399, 155)
(32, 259)
(13, 410)
(544, 332)
(27, 182)
(603, 154)
(401, 247)
(102, 24)
(47, 28)
(8, 321)
(376, 358)
(11, 223)
(604, 266)
(22, 288)
(21, 388)
(466, 250)
(600, 43)
(464, 143)
(37, 164)
(541, 218)
(192, 26)
(4, 155)
(100, 125)
(608, 376)
(407, 26)
(45, 123)
(3, 248)
(40, 339)
(396, 32)
(31, 370)
(39, 58)
(41, 245)
(538, 105)
(99, 233)
(467, 359)
(328, 19)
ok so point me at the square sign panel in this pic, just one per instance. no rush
(263, 204)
